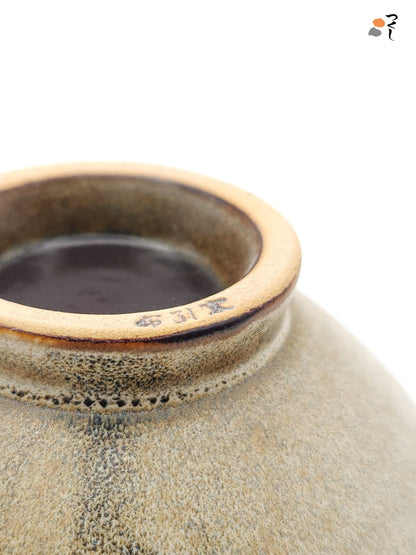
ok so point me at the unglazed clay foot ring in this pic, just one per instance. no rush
(142, 360)
(271, 250)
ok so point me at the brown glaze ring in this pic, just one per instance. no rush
(139, 361)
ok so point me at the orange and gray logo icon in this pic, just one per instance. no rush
(379, 23)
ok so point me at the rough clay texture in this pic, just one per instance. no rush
(314, 453)
(136, 379)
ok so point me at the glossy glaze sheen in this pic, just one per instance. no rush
(104, 274)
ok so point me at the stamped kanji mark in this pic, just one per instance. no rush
(216, 305)
(146, 321)
(183, 315)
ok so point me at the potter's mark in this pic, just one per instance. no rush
(180, 316)
(216, 306)
(147, 321)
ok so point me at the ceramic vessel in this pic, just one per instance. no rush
(245, 422)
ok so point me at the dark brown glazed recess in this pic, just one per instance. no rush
(190, 219)
(104, 274)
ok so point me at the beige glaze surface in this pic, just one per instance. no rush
(248, 422)
(314, 453)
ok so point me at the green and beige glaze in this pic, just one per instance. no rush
(247, 422)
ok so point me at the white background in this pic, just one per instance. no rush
(292, 101)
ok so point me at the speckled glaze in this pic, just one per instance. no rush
(246, 422)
